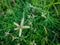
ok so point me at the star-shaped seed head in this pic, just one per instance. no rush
(43, 15)
(20, 27)
(13, 38)
(33, 43)
(7, 33)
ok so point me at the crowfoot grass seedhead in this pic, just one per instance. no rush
(9, 11)
(32, 6)
(30, 23)
(33, 43)
(33, 16)
(43, 15)
(29, 16)
(20, 27)
(7, 33)
(13, 38)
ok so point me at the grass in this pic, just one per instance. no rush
(43, 17)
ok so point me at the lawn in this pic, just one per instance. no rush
(29, 22)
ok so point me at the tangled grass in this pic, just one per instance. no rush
(43, 17)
